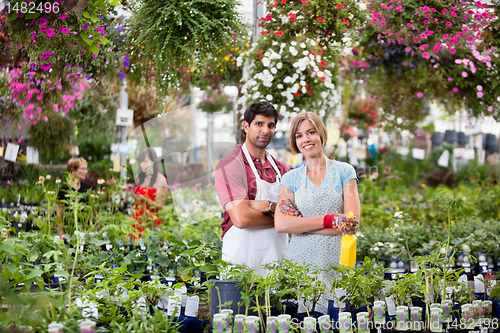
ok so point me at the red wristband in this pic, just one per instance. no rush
(328, 221)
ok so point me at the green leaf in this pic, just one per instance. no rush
(100, 5)
(13, 17)
(12, 268)
(85, 38)
(86, 15)
(34, 273)
(114, 2)
(31, 16)
(94, 49)
(94, 19)
(7, 248)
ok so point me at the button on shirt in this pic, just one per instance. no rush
(234, 179)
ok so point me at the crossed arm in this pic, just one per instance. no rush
(297, 225)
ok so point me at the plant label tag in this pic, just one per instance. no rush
(418, 154)
(478, 284)
(339, 292)
(174, 305)
(402, 150)
(492, 284)
(444, 159)
(192, 305)
(391, 306)
(301, 307)
(32, 155)
(109, 247)
(11, 152)
(163, 302)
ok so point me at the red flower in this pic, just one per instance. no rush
(279, 33)
(339, 6)
(320, 19)
(263, 32)
(293, 16)
(283, 1)
(274, 4)
(323, 63)
(313, 53)
(261, 51)
(297, 93)
(304, 1)
(345, 21)
(310, 92)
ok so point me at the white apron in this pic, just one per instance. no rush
(256, 247)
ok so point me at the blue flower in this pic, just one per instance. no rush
(121, 75)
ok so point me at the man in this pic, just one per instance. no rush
(247, 181)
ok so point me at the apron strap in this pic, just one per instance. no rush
(252, 165)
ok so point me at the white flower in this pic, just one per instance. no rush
(274, 70)
(396, 225)
(374, 248)
(379, 244)
(466, 248)
(100, 181)
(269, 97)
(283, 109)
(48, 177)
(442, 251)
(51, 192)
(293, 51)
(397, 214)
(266, 61)
(305, 52)
(279, 86)
(303, 45)
(58, 181)
(279, 65)
(293, 43)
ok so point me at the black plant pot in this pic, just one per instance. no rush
(451, 136)
(227, 290)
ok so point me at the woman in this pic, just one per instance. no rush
(77, 167)
(323, 190)
(151, 190)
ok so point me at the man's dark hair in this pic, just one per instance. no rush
(262, 108)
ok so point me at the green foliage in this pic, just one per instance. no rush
(216, 101)
(170, 32)
(50, 136)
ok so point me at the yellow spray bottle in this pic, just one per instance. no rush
(348, 248)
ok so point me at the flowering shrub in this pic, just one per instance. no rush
(294, 63)
(422, 50)
(364, 112)
(51, 50)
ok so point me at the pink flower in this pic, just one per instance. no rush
(426, 22)
(374, 19)
(43, 29)
(450, 79)
(452, 51)
(429, 32)
(420, 95)
(479, 94)
(428, 16)
(490, 108)
(383, 5)
(479, 87)
(45, 67)
(455, 89)
(409, 25)
(65, 30)
(43, 21)
(63, 16)
(45, 118)
(399, 9)
(383, 23)
(426, 55)
(464, 74)
(435, 50)
(444, 11)
(465, 29)
(445, 36)
(422, 35)
(50, 32)
(448, 23)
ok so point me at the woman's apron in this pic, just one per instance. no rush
(322, 251)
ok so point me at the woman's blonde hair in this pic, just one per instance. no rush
(317, 123)
(74, 163)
